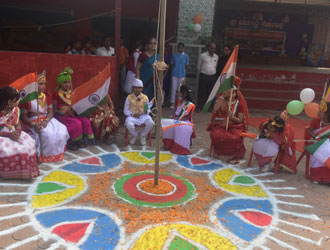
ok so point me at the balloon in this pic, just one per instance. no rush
(198, 19)
(190, 27)
(307, 95)
(295, 107)
(197, 28)
(312, 110)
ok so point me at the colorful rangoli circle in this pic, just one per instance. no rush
(127, 187)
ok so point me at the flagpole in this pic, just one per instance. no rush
(39, 133)
(229, 107)
(160, 84)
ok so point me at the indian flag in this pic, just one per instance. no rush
(27, 86)
(225, 80)
(323, 132)
(88, 96)
(321, 151)
(171, 123)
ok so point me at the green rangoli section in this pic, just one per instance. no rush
(47, 187)
(180, 244)
(244, 180)
(148, 155)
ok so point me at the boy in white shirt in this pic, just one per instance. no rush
(137, 111)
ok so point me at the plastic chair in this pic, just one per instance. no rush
(305, 153)
(143, 125)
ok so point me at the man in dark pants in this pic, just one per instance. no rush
(207, 66)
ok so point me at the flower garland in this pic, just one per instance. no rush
(65, 96)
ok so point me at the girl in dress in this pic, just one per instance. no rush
(77, 126)
(177, 139)
(104, 121)
(47, 132)
(17, 148)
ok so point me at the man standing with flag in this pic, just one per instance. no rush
(207, 66)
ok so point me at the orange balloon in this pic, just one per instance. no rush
(312, 110)
(198, 19)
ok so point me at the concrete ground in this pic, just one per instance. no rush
(300, 219)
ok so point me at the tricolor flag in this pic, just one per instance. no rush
(321, 151)
(323, 132)
(170, 123)
(225, 80)
(27, 86)
(88, 96)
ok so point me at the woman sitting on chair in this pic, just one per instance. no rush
(227, 144)
(320, 129)
(177, 139)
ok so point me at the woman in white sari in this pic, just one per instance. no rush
(47, 132)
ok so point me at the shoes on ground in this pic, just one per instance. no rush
(143, 140)
(132, 140)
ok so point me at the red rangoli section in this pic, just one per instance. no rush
(71, 232)
(198, 161)
(257, 218)
(92, 161)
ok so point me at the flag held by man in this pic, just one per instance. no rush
(225, 80)
(27, 86)
(88, 96)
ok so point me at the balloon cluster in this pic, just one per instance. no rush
(306, 103)
(196, 26)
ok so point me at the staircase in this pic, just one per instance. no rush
(273, 87)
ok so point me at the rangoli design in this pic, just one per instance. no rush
(107, 200)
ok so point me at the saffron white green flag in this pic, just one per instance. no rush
(225, 80)
(171, 123)
(88, 96)
(321, 151)
(27, 86)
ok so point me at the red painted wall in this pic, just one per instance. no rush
(13, 65)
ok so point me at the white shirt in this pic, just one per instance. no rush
(208, 64)
(102, 51)
(128, 112)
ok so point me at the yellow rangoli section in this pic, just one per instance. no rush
(155, 238)
(47, 200)
(138, 158)
(224, 176)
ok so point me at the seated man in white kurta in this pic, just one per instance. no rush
(137, 111)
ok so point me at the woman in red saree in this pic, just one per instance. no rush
(228, 145)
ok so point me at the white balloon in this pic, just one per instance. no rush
(197, 28)
(307, 95)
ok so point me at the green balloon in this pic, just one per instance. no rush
(295, 107)
(190, 27)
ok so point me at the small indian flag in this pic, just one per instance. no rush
(171, 123)
(27, 86)
(321, 151)
(323, 132)
(88, 96)
(225, 80)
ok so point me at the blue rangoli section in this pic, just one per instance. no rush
(104, 227)
(243, 230)
(185, 161)
(110, 161)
